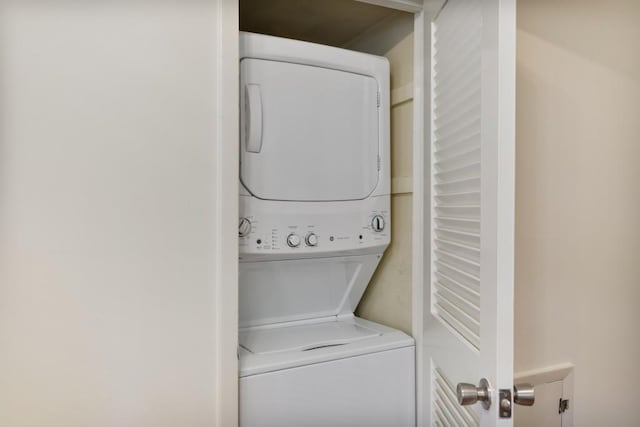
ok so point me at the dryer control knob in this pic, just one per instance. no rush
(293, 240)
(244, 227)
(311, 239)
(377, 223)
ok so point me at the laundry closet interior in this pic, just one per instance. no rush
(325, 213)
(377, 30)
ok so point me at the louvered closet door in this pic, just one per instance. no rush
(469, 315)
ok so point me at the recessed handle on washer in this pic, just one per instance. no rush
(253, 118)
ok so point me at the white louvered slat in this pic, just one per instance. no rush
(451, 108)
(471, 268)
(460, 318)
(465, 118)
(466, 55)
(455, 39)
(468, 225)
(455, 150)
(456, 172)
(464, 131)
(447, 406)
(450, 403)
(469, 312)
(459, 174)
(466, 97)
(443, 418)
(450, 293)
(445, 414)
(465, 46)
(459, 199)
(469, 239)
(468, 70)
(461, 146)
(470, 295)
(449, 24)
(463, 159)
(468, 252)
(463, 279)
(469, 211)
(446, 409)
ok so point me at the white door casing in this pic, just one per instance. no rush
(227, 121)
(469, 199)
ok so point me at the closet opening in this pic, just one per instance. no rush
(381, 31)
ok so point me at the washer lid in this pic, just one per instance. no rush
(307, 133)
(303, 337)
(288, 349)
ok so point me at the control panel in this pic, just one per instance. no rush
(277, 230)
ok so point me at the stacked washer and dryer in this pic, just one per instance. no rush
(314, 223)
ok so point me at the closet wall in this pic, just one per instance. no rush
(388, 297)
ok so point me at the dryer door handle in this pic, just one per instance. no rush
(253, 118)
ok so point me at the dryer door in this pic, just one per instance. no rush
(307, 133)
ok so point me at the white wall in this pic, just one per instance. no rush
(108, 220)
(578, 200)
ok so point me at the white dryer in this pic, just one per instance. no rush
(314, 223)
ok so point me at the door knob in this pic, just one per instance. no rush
(524, 394)
(468, 394)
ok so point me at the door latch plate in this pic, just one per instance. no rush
(505, 404)
(563, 405)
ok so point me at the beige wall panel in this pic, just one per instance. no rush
(402, 141)
(578, 200)
(107, 214)
(388, 297)
(401, 60)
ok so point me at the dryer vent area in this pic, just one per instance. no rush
(367, 28)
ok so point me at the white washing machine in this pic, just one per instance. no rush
(315, 221)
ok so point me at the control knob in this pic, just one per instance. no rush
(293, 240)
(377, 223)
(244, 227)
(311, 239)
